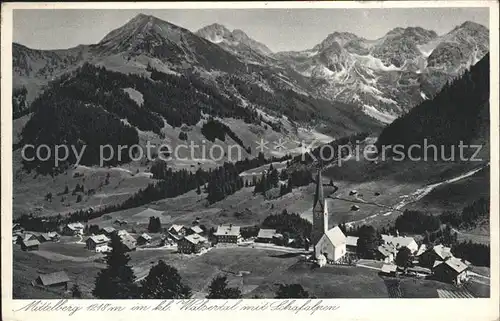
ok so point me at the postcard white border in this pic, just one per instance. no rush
(350, 309)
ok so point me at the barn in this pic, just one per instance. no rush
(144, 239)
(30, 245)
(265, 235)
(53, 280)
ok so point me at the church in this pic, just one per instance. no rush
(331, 243)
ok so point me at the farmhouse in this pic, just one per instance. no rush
(98, 243)
(453, 270)
(330, 243)
(129, 246)
(49, 237)
(401, 241)
(227, 234)
(194, 230)
(144, 239)
(54, 236)
(108, 231)
(30, 245)
(385, 253)
(265, 235)
(178, 230)
(174, 237)
(436, 253)
(44, 237)
(191, 244)
(53, 280)
(128, 241)
(351, 243)
(73, 229)
(17, 228)
(29, 237)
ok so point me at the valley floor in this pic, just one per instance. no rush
(254, 269)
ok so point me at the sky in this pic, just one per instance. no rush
(279, 29)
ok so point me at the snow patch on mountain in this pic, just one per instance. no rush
(378, 115)
(375, 63)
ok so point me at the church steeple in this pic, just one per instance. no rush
(320, 211)
(319, 199)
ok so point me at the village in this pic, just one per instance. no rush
(394, 257)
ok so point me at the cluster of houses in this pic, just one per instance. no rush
(191, 240)
(331, 245)
(100, 242)
(437, 261)
(30, 241)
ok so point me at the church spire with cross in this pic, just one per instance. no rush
(320, 211)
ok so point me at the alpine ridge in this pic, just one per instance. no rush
(383, 78)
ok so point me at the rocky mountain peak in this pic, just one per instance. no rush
(341, 38)
(219, 34)
(470, 25)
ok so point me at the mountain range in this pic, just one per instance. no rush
(368, 82)
(390, 75)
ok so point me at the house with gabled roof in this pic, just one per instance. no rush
(17, 228)
(435, 253)
(192, 244)
(30, 245)
(176, 229)
(128, 240)
(385, 253)
(401, 241)
(108, 231)
(265, 235)
(129, 245)
(351, 243)
(452, 270)
(53, 280)
(174, 237)
(144, 239)
(98, 243)
(44, 237)
(227, 234)
(196, 229)
(73, 229)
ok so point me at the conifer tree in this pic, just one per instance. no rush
(76, 292)
(116, 281)
(291, 291)
(164, 282)
(218, 289)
